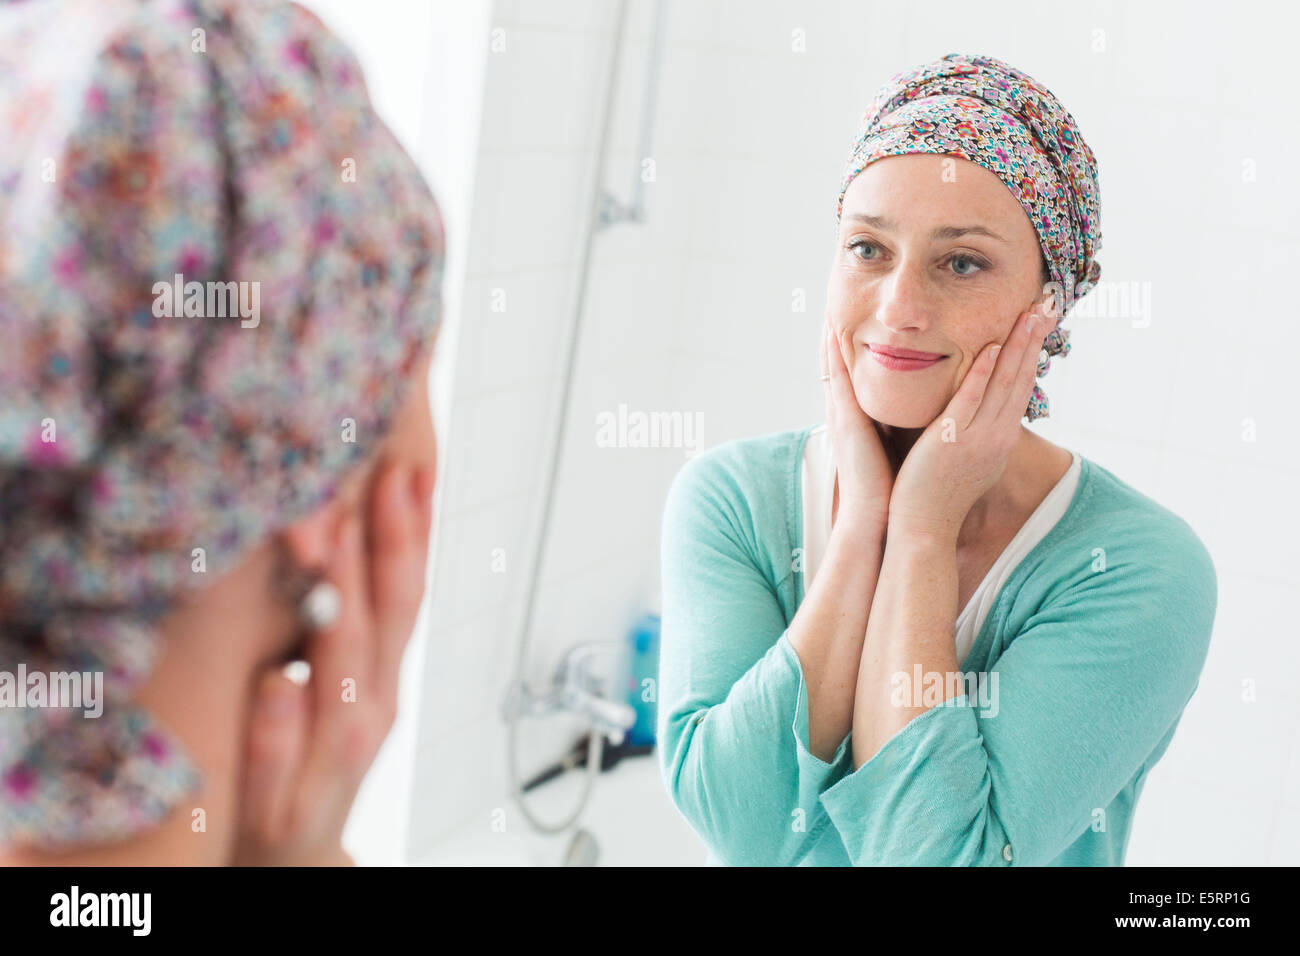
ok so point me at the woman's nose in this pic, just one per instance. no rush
(903, 299)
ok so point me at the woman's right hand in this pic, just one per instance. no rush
(864, 470)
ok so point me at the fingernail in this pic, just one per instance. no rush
(993, 352)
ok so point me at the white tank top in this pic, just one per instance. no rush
(817, 483)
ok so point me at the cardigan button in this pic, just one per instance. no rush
(699, 720)
(1006, 853)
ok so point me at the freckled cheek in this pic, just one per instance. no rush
(848, 300)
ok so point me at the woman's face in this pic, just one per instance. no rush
(934, 255)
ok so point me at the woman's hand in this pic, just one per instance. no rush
(964, 451)
(309, 746)
(864, 472)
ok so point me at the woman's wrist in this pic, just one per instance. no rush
(923, 531)
(865, 525)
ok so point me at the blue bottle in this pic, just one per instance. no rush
(643, 680)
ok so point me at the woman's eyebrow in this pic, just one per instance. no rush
(942, 232)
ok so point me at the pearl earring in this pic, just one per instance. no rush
(319, 607)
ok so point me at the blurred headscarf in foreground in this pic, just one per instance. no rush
(149, 440)
(991, 114)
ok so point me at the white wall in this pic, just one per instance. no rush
(692, 312)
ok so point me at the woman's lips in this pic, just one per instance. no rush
(903, 360)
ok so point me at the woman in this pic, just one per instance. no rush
(192, 497)
(922, 634)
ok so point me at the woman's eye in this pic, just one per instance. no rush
(969, 263)
(860, 244)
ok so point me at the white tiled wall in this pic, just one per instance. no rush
(693, 311)
(537, 149)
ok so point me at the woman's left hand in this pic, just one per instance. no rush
(964, 451)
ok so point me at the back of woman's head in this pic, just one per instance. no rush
(217, 267)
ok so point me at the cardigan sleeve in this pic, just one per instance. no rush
(1092, 684)
(733, 713)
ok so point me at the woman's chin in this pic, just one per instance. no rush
(899, 414)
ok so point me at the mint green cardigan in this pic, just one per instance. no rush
(1098, 640)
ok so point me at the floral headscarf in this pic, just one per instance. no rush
(153, 431)
(991, 114)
